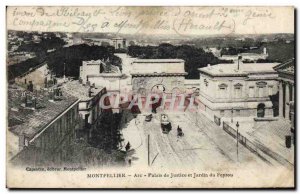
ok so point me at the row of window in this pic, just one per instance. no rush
(261, 91)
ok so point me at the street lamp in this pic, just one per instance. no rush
(237, 140)
(232, 115)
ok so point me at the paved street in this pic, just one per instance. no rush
(204, 145)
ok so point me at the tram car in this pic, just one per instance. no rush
(166, 126)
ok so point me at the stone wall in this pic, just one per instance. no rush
(145, 85)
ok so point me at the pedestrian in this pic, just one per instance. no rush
(127, 147)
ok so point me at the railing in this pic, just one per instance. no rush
(243, 140)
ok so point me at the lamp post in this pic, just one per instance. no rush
(237, 140)
(232, 115)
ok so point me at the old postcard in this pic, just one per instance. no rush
(150, 97)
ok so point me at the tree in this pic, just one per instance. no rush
(72, 57)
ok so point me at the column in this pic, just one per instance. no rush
(280, 99)
(293, 92)
(287, 100)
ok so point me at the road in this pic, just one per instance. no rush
(204, 145)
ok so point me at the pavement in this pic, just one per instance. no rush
(203, 146)
(269, 137)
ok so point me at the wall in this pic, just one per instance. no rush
(221, 93)
(89, 68)
(37, 77)
(144, 85)
(111, 83)
(50, 146)
(141, 67)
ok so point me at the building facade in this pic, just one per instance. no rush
(229, 90)
(38, 76)
(119, 43)
(158, 75)
(41, 126)
(89, 106)
(286, 78)
(93, 67)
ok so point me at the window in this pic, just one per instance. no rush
(251, 91)
(261, 91)
(261, 88)
(238, 90)
(270, 92)
(222, 90)
(238, 113)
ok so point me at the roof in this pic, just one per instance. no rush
(230, 69)
(157, 67)
(158, 61)
(191, 82)
(286, 67)
(252, 54)
(29, 121)
(79, 90)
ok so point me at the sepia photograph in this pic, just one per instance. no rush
(157, 97)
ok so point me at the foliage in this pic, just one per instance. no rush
(70, 58)
(20, 68)
(107, 136)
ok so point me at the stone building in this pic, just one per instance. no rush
(41, 126)
(98, 73)
(37, 76)
(158, 75)
(229, 90)
(119, 43)
(90, 109)
(286, 78)
(164, 77)
(247, 56)
(93, 67)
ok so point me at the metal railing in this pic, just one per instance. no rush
(243, 140)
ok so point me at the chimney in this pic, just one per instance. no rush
(30, 86)
(23, 142)
(90, 92)
(26, 100)
(46, 82)
(34, 102)
(51, 95)
(239, 62)
(88, 83)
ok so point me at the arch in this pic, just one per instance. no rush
(158, 88)
(261, 110)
